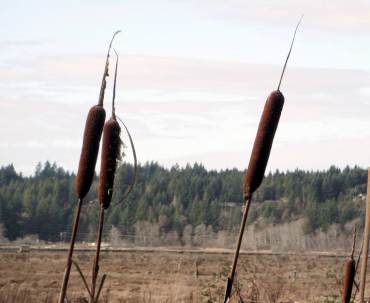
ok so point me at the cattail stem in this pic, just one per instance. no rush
(359, 257)
(290, 50)
(356, 271)
(111, 143)
(105, 74)
(354, 243)
(114, 87)
(100, 288)
(63, 290)
(365, 250)
(82, 276)
(230, 279)
(95, 269)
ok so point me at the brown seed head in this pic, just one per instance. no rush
(263, 142)
(110, 155)
(349, 276)
(90, 148)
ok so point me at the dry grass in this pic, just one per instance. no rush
(163, 277)
(18, 294)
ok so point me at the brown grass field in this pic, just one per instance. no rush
(159, 276)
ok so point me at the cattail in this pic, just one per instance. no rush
(111, 150)
(349, 273)
(265, 135)
(349, 276)
(111, 153)
(91, 139)
(258, 161)
(90, 148)
(86, 169)
(263, 142)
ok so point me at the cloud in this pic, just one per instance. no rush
(154, 75)
(181, 110)
(20, 43)
(341, 15)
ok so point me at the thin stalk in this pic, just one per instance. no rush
(95, 269)
(356, 270)
(230, 279)
(290, 50)
(63, 290)
(354, 243)
(131, 186)
(106, 74)
(100, 288)
(365, 250)
(82, 276)
(114, 88)
(359, 257)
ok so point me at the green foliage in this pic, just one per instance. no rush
(43, 204)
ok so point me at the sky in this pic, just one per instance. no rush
(192, 82)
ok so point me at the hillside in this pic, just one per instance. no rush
(185, 201)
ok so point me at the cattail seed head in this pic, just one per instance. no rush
(349, 276)
(90, 148)
(111, 151)
(263, 142)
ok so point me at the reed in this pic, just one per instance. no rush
(258, 160)
(86, 169)
(111, 154)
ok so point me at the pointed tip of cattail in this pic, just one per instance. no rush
(290, 50)
(106, 71)
(114, 88)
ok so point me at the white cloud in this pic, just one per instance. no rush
(182, 109)
(341, 15)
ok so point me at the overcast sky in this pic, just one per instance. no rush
(193, 79)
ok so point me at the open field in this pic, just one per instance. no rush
(160, 276)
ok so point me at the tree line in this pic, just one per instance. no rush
(174, 198)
